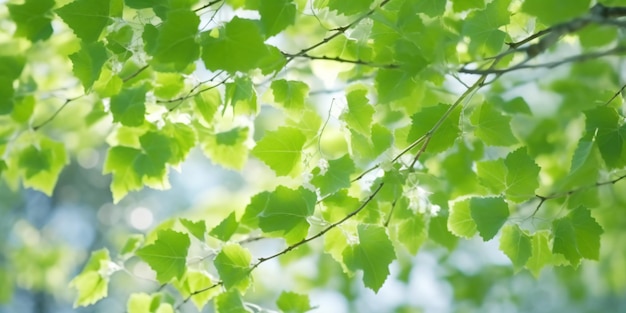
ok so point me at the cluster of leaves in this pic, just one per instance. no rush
(410, 161)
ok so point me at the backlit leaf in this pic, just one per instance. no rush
(489, 214)
(276, 15)
(93, 282)
(516, 244)
(373, 255)
(493, 127)
(226, 228)
(281, 150)
(87, 18)
(460, 221)
(290, 94)
(239, 47)
(167, 256)
(233, 266)
(577, 236)
(291, 302)
(425, 120)
(88, 62)
(32, 19)
(285, 213)
(522, 176)
(128, 107)
(336, 176)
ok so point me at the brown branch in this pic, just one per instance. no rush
(291, 247)
(577, 58)
(339, 59)
(615, 95)
(543, 199)
(337, 31)
(207, 5)
(133, 75)
(321, 233)
(54, 115)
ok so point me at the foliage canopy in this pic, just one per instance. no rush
(375, 128)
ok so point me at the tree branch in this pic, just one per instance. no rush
(577, 58)
(543, 199)
(339, 59)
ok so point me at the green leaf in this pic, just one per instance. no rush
(128, 107)
(541, 253)
(373, 255)
(182, 139)
(226, 228)
(32, 19)
(230, 302)
(285, 213)
(516, 244)
(482, 27)
(42, 166)
(142, 303)
(233, 266)
(132, 244)
(412, 232)
(93, 281)
(281, 150)
(522, 176)
(350, 7)
(489, 214)
(463, 5)
(119, 41)
(239, 47)
(192, 282)
(241, 96)
(439, 233)
(167, 256)
(139, 303)
(425, 120)
(227, 148)
(120, 162)
(493, 127)
(152, 163)
(175, 47)
(88, 62)
(609, 135)
(360, 112)
(432, 8)
(550, 12)
(276, 15)
(577, 236)
(197, 228)
(291, 302)
(460, 221)
(290, 94)
(10, 69)
(207, 103)
(87, 18)
(335, 177)
(394, 84)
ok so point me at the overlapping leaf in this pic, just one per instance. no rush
(281, 150)
(373, 255)
(167, 256)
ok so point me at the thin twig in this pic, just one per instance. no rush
(543, 199)
(339, 59)
(54, 115)
(321, 233)
(578, 58)
(207, 5)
